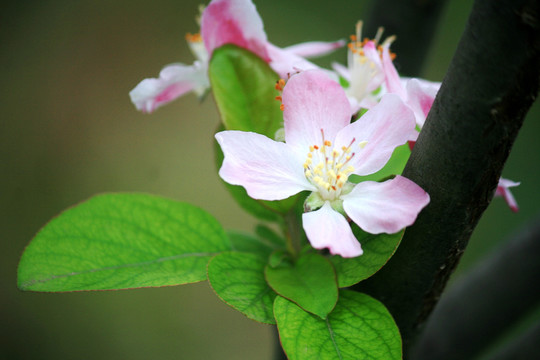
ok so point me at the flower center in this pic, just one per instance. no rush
(365, 64)
(328, 167)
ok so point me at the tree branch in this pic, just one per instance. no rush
(491, 298)
(414, 22)
(458, 158)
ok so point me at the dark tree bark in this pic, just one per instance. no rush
(413, 22)
(490, 299)
(458, 158)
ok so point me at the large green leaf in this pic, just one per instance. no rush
(243, 242)
(310, 282)
(359, 327)
(238, 279)
(244, 89)
(378, 249)
(118, 241)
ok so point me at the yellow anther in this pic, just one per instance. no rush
(308, 173)
(362, 144)
(332, 174)
(327, 143)
(310, 155)
(339, 166)
(193, 37)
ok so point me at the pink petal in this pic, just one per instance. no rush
(326, 228)
(385, 207)
(504, 191)
(286, 63)
(370, 51)
(174, 81)
(312, 101)
(314, 48)
(386, 126)
(267, 169)
(233, 22)
(393, 82)
(420, 97)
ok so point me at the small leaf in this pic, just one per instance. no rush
(310, 282)
(244, 89)
(238, 280)
(378, 249)
(394, 166)
(119, 241)
(359, 327)
(242, 242)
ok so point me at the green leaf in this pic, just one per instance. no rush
(378, 249)
(244, 89)
(238, 280)
(242, 242)
(394, 166)
(264, 232)
(119, 241)
(360, 327)
(310, 282)
(264, 210)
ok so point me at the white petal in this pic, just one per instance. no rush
(267, 169)
(385, 207)
(387, 125)
(174, 81)
(326, 228)
(313, 102)
(314, 48)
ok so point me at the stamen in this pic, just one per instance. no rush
(280, 84)
(378, 36)
(362, 144)
(193, 37)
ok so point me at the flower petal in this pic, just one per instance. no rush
(503, 189)
(384, 127)
(285, 63)
(385, 207)
(312, 101)
(420, 97)
(267, 169)
(233, 22)
(326, 228)
(314, 48)
(393, 82)
(174, 81)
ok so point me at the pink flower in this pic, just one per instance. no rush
(503, 189)
(364, 71)
(418, 94)
(224, 22)
(322, 148)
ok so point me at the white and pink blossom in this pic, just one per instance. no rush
(224, 22)
(503, 190)
(321, 149)
(418, 94)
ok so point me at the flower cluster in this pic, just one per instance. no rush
(322, 148)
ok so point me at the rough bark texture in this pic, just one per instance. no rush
(413, 22)
(481, 306)
(458, 158)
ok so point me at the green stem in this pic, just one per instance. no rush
(293, 232)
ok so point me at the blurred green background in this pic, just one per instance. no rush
(69, 131)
